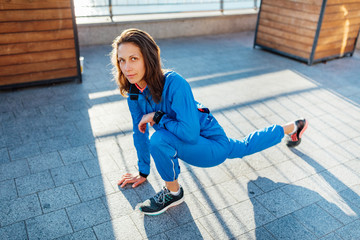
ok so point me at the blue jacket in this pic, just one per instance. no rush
(182, 116)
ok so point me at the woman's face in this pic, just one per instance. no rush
(132, 63)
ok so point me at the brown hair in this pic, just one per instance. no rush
(154, 76)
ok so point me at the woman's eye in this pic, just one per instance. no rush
(133, 58)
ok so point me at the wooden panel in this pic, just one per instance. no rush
(283, 42)
(340, 23)
(292, 5)
(288, 20)
(30, 15)
(341, 16)
(342, 8)
(39, 76)
(333, 52)
(36, 36)
(9, 49)
(37, 67)
(33, 4)
(334, 45)
(338, 31)
(336, 38)
(290, 13)
(36, 57)
(311, 2)
(287, 28)
(286, 35)
(331, 2)
(282, 48)
(12, 27)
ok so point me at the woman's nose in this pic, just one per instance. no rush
(128, 66)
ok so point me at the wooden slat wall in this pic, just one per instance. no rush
(340, 28)
(36, 41)
(288, 25)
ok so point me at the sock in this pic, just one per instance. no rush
(175, 193)
(295, 129)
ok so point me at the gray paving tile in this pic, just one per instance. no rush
(80, 138)
(188, 211)
(294, 229)
(190, 231)
(302, 195)
(44, 161)
(36, 134)
(4, 155)
(62, 130)
(101, 165)
(13, 232)
(11, 140)
(25, 150)
(331, 236)
(76, 154)
(213, 198)
(57, 198)
(87, 234)
(49, 226)
(149, 226)
(350, 231)
(8, 190)
(259, 233)
(345, 212)
(278, 203)
(3, 142)
(87, 214)
(68, 174)
(267, 179)
(241, 188)
(121, 203)
(54, 144)
(352, 195)
(34, 183)
(251, 214)
(223, 225)
(121, 228)
(207, 175)
(317, 220)
(19, 209)
(13, 169)
(93, 188)
(161, 236)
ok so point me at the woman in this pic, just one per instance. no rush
(184, 128)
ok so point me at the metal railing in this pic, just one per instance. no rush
(111, 8)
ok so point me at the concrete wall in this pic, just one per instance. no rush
(217, 23)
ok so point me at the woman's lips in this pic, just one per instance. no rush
(131, 75)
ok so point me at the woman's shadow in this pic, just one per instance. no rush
(303, 213)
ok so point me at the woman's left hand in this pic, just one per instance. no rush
(147, 118)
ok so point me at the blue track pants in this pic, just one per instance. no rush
(166, 149)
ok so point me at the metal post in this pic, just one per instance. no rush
(222, 6)
(110, 11)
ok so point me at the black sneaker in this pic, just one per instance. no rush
(161, 202)
(302, 125)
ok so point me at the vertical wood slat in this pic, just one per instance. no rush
(37, 42)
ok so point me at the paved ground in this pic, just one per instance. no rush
(63, 148)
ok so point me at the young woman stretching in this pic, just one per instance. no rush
(185, 129)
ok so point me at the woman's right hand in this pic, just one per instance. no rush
(131, 178)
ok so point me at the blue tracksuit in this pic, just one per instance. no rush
(187, 133)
